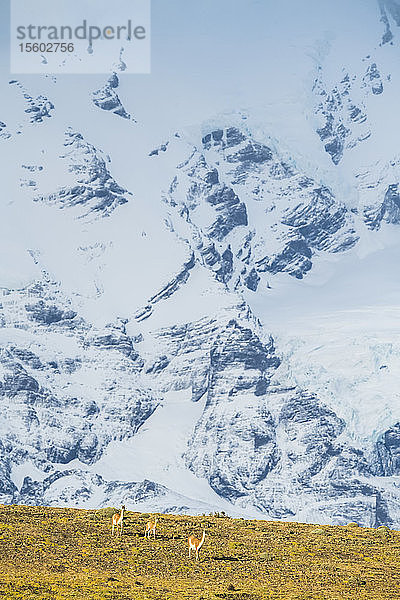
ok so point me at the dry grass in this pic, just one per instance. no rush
(65, 554)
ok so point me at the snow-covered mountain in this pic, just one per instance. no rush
(205, 318)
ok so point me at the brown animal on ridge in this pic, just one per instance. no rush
(195, 544)
(117, 521)
(151, 527)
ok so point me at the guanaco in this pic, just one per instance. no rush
(195, 544)
(151, 527)
(117, 521)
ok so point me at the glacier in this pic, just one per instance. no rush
(199, 304)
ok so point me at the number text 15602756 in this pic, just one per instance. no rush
(46, 47)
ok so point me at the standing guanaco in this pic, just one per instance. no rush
(151, 527)
(117, 521)
(195, 544)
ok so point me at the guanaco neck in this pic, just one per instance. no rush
(202, 540)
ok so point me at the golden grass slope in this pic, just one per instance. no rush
(64, 554)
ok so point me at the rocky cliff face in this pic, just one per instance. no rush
(262, 443)
(47, 421)
(95, 192)
(242, 197)
(107, 98)
(387, 452)
(390, 14)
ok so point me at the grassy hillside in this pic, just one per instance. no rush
(50, 553)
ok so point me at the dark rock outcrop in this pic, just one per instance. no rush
(106, 98)
(387, 452)
(96, 192)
